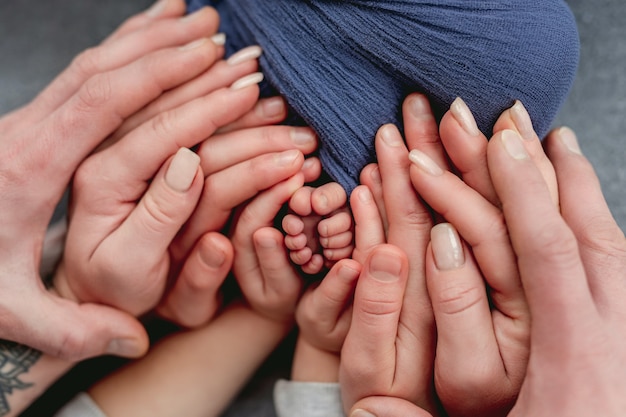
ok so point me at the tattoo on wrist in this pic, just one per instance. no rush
(15, 359)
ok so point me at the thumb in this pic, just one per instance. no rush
(386, 407)
(70, 331)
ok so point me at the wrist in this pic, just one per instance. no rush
(312, 364)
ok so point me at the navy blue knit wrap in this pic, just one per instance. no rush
(345, 66)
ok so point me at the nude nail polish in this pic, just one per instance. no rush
(522, 121)
(425, 163)
(182, 170)
(247, 81)
(246, 54)
(446, 246)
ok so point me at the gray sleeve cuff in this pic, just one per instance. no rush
(307, 399)
(81, 406)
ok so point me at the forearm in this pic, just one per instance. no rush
(311, 364)
(25, 374)
(193, 373)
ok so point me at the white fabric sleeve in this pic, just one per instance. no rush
(81, 406)
(307, 399)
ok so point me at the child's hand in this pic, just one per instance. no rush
(267, 280)
(319, 228)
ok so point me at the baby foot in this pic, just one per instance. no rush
(319, 229)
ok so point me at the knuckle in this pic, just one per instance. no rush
(95, 92)
(160, 213)
(459, 298)
(163, 125)
(87, 63)
(72, 345)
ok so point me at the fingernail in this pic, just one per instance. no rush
(127, 348)
(375, 175)
(361, 413)
(247, 81)
(267, 242)
(522, 121)
(385, 267)
(157, 8)
(287, 158)
(568, 137)
(212, 256)
(302, 136)
(246, 54)
(365, 195)
(219, 39)
(425, 163)
(193, 15)
(464, 117)
(272, 107)
(446, 246)
(193, 45)
(420, 107)
(182, 170)
(308, 164)
(391, 136)
(513, 144)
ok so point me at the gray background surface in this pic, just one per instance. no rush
(38, 39)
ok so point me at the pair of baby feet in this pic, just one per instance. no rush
(319, 228)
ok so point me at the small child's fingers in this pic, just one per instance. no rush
(323, 305)
(312, 169)
(300, 202)
(466, 147)
(336, 224)
(516, 118)
(296, 243)
(339, 241)
(328, 198)
(369, 230)
(301, 256)
(292, 225)
(195, 296)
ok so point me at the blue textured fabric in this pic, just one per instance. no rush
(345, 66)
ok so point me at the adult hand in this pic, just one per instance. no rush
(44, 142)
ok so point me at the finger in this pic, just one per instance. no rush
(159, 10)
(217, 76)
(385, 406)
(257, 214)
(368, 226)
(370, 176)
(96, 110)
(548, 258)
(195, 296)
(160, 34)
(466, 147)
(481, 225)
(281, 284)
(420, 127)
(337, 241)
(184, 126)
(300, 202)
(601, 241)
(325, 304)
(369, 351)
(467, 349)
(219, 197)
(225, 150)
(74, 332)
(517, 118)
(312, 169)
(267, 111)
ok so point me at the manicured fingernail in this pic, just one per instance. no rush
(361, 413)
(182, 170)
(385, 267)
(420, 107)
(124, 347)
(424, 162)
(513, 144)
(446, 246)
(272, 107)
(193, 45)
(464, 117)
(247, 81)
(219, 39)
(246, 54)
(157, 8)
(302, 136)
(522, 121)
(568, 137)
(287, 158)
(391, 136)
